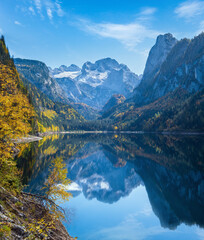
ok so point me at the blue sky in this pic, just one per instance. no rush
(75, 31)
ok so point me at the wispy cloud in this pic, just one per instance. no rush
(17, 23)
(129, 34)
(58, 9)
(38, 5)
(49, 13)
(201, 28)
(51, 7)
(31, 9)
(190, 9)
(148, 11)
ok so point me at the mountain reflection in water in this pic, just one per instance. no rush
(109, 167)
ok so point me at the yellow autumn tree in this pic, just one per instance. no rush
(15, 116)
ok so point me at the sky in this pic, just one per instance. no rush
(75, 31)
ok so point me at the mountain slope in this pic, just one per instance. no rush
(38, 74)
(177, 111)
(114, 101)
(50, 115)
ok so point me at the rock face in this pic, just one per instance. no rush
(96, 82)
(180, 64)
(158, 54)
(114, 101)
(38, 74)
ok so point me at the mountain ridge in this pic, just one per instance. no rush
(98, 81)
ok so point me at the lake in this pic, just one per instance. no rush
(125, 186)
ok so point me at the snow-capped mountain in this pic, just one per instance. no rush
(96, 82)
(63, 71)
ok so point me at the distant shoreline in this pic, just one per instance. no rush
(122, 132)
(33, 138)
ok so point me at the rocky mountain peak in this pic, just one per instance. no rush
(87, 66)
(107, 63)
(73, 68)
(101, 65)
(165, 37)
(158, 54)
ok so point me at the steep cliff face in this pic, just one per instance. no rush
(182, 65)
(157, 55)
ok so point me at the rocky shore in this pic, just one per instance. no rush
(21, 215)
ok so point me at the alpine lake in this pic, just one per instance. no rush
(124, 186)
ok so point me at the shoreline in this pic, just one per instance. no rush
(40, 136)
(122, 132)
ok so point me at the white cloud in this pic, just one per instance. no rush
(148, 11)
(128, 34)
(59, 10)
(38, 5)
(49, 13)
(31, 9)
(190, 9)
(1, 31)
(17, 23)
(50, 6)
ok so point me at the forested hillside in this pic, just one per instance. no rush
(50, 116)
(177, 111)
